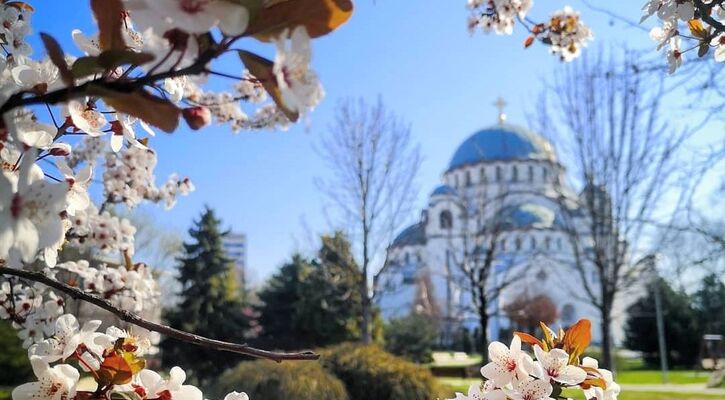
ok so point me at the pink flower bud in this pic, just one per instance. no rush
(197, 117)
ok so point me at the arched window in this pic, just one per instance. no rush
(533, 243)
(568, 314)
(502, 244)
(456, 180)
(544, 174)
(468, 178)
(483, 175)
(547, 243)
(558, 243)
(518, 243)
(531, 173)
(499, 173)
(515, 174)
(407, 258)
(446, 219)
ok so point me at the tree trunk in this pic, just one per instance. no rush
(365, 331)
(607, 344)
(483, 326)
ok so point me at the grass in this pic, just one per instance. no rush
(5, 392)
(649, 377)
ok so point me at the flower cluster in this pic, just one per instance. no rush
(565, 33)
(129, 179)
(150, 65)
(498, 16)
(705, 20)
(114, 360)
(514, 374)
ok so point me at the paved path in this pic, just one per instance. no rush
(669, 388)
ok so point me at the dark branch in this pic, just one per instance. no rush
(134, 319)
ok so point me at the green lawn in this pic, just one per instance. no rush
(647, 377)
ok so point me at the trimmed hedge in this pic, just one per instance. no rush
(266, 380)
(369, 373)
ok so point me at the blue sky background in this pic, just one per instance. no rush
(416, 54)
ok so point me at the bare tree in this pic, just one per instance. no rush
(626, 159)
(374, 166)
(484, 250)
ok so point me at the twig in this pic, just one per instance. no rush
(134, 319)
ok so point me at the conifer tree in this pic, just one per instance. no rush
(209, 302)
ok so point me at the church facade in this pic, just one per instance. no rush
(498, 208)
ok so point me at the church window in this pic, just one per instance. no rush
(456, 180)
(499, 173)
(515, 174)
(533, 243)
(483, 175)
(502, 244)
(547, 243)
(568, 314)
(545, 173)
(558, 243)
(446, 219)
(407, 258)
(531, 173)
(468, 178)
(518, 243)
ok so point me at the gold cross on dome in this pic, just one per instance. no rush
(500, 105)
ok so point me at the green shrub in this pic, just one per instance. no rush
(265, 380)
(412, 337)
(14, 364)
(372, 374)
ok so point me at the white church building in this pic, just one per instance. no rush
(504, 187)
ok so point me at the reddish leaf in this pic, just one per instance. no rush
(143, 105)
(526, 338)
(577, 339)
(320, 17)
(115, 370)
(109, 14)
(529, 41)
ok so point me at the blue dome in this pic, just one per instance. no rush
(502, 143)
(444, 190)
(529, 215)
(412, 235)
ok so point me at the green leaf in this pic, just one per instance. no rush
(86, 66)
(261, 68)
(110, 59)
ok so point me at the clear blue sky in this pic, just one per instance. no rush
(416, 54)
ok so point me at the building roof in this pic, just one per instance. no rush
(503, 142)
(412, 235)
(529, 215)
(444, 190)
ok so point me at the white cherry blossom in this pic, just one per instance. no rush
(506, 362)
(554, 367)
(54, 383)
(29, 212)
(301, 90)
(78, 198)
(530, 390)
(596, 393)
(154, 385)
(192, 16)
(85, 118)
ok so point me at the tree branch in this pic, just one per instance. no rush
(134, 319)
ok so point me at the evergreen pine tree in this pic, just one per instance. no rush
(209, 303)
